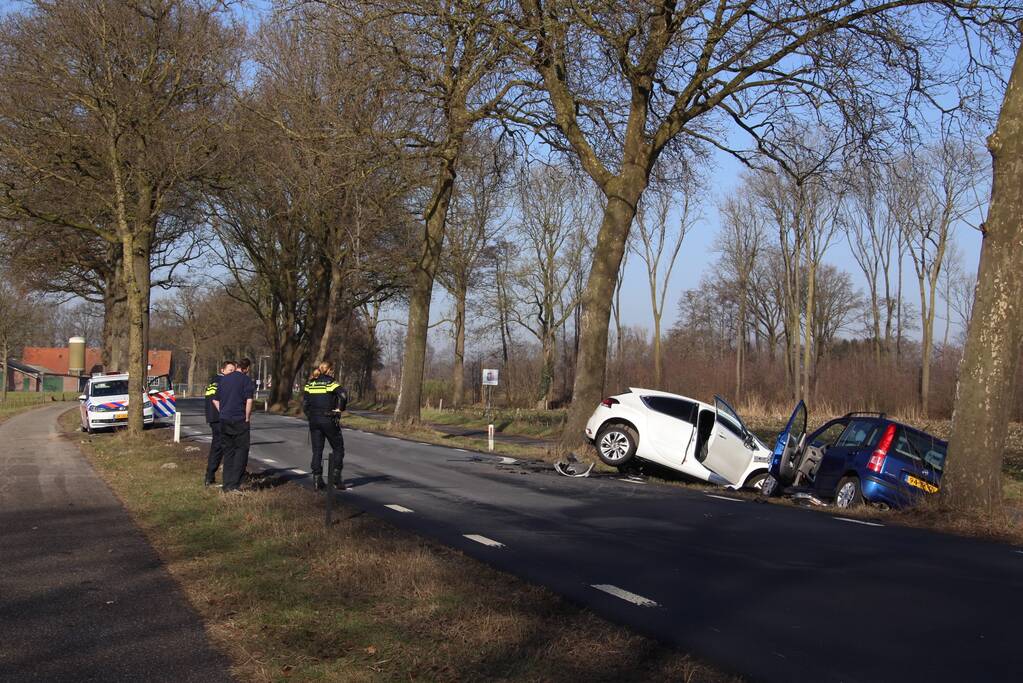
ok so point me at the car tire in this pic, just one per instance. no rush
(616, 444)
(755, 481)
(848, 493)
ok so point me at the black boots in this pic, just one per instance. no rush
(319, 482)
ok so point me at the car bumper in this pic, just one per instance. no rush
(104, 421)
(879, 491)
(599, 416)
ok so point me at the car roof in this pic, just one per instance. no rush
(668, 394)
(105, 378)
(885, 419)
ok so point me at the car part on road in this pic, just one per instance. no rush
(573, 469)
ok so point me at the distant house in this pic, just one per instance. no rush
(47, 369)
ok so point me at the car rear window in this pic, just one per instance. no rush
(858, 434)
(675, 407)
(112, 388)
(922, 447)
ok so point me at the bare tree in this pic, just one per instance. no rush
(18, 315)
(740, 242)
(629, 83)
(660, 240)
(933, 191)
(112, 107)
(473, 223)
(988, 372)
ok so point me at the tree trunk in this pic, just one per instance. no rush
(458, 371)
(137, 284)
(596, 303)
(740, 342)
(330, 314)
(988, 372)
(811, 282)
(192, 362)
(414, 361)
(4, 352)
(115, 318)
(548, 344)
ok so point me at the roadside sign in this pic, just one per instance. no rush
(489, 377)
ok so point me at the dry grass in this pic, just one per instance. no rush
(19, 402)
(289, 599)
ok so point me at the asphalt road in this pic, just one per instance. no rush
(768, 592)
(83, 596)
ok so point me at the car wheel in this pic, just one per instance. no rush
(616, 444)
(848, 494)
(755, 481)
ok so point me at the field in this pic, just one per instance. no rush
(19, 401)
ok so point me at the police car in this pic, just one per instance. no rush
(104, 403)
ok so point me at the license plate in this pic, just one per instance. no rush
(120, 416)
(921, 484)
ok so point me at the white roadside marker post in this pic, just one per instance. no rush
(490, 437)
(440, 406)
(177, 427)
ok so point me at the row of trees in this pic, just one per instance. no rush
(323, 151)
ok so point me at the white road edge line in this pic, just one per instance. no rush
(734, 500)
(461, 450)
(398, 508)
(623, 594)
(484, 540)
(857, 521)
(632, 481)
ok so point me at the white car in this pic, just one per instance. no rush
(708, 442)
(105, 403)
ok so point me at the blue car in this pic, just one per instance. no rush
(855, 459)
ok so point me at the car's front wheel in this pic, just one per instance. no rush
(616, 444)
(848, 493)
(755, 481)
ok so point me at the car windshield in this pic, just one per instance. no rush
(114, 387)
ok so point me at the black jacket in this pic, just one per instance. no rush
(322, 396)
(212, 414)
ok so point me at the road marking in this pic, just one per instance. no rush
(858, 521)
(461, 450)
(269, 460)
(632, 481)
(623, 594)
(508, 461)
(484, 540)
(298, 471)
(399, 508)
(734, 500)
(1020, 552)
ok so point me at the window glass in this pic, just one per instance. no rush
(115, 387)
(903, 446)
(728, 424)
(829, 434)
(677, 408)
(858, 434)
(928, 448)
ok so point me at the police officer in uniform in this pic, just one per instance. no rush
(323, 399)
(213, 420)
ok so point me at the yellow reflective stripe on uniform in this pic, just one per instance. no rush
(321, 388)
(211, 389)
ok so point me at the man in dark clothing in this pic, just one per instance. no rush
(323, 399)
(233, 400)
(213, 420)
(245, 367)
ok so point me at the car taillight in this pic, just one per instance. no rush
(876, 462)
(608, 402)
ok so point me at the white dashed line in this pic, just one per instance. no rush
(399, 508)
(734, 500)
(623, 594)
(632, 481)
(484, 540)
(858, 521)
(461, 450)
(1019, 552)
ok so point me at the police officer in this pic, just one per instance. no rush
(213, 420)
(323, 399)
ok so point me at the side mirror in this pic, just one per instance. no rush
(82, 397)
(749, 442)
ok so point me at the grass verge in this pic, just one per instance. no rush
(288, 599)
(19, 402)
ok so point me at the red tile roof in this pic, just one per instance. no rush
(56, 359)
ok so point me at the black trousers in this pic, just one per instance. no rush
(216, 452)
(235, 439)
(321, 429)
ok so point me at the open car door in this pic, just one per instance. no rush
(786, 448)
(729, 452)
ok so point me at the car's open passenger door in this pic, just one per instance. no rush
(789, 441)
(729, 451)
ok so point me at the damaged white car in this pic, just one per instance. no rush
(703, 441)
